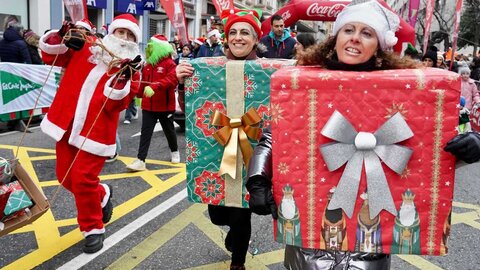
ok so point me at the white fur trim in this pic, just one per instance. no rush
(159, 41)
(122, 23)
(116, 94)
(93, 147)
(51, 129)
(85, 25)
(94, 231)
(107, 195)
(86, 93)
(51, 49)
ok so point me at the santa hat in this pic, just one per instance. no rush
(213, 32)
(126, 21)
(85, 23)
(161, 48)
(372, 13)
(252, 17)
(198, 41)
(160, 39)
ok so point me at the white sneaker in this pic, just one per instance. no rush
(137, 165)
(126, 122)
(175, 157)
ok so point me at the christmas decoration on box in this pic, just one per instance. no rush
(17, 201)
(358, 158)
(226, 106)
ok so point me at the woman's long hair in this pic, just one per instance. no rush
(319, 53)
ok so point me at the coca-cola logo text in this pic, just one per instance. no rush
(316, 10)
(286, 15)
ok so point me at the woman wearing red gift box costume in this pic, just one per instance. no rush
(83, 117)
(363, 36)
(242, 32)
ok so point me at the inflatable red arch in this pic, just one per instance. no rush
(327, 10)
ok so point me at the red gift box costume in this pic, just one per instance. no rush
(86, 85)
(411, 114)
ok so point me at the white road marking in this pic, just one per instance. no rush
(82, 259)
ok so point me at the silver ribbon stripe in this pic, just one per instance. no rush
(354, 148)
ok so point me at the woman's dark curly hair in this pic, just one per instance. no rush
(319, 53)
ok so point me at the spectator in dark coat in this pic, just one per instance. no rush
(32, 44)
(475, 75)
(13, 48)
(279, 42)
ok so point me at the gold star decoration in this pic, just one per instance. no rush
(405, 173)
(396, 108)
(276, 112)
(325, 76)
(283, 168)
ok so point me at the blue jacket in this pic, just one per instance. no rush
(206, 50)
(13, 48)
(282, 48)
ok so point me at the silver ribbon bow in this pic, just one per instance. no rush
(353, 148)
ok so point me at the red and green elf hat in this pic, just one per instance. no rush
(250, 16)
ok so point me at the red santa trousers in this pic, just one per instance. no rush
(83, 182)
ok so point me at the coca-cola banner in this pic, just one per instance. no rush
(428, 23)
(221, 5)
(327, 10)
(456, 26)
(176, 13)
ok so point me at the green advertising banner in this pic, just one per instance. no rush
(20, 85)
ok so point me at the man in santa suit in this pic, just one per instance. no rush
(83, 117)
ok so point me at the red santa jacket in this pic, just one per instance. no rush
(82, 92)
(163, 80)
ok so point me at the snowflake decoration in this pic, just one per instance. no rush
(407, 86)
(283, 168)
(210, 187)
(284, 86)
(203, 115)
(193, 84)
(340, 87)
(330, 105)
(249, 84)
(396, 108)
(405, 173)
(322, 179)
(192, 151)
(447, 183)
(325, 76)
(276, 112)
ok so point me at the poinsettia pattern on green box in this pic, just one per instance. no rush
(205, 92)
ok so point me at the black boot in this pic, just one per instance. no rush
(93, 243)
(107, 210)
(228, 242)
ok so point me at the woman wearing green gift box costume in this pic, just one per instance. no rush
(242, 32)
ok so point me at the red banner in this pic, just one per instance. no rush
(456, 27)
(221, 5)
(176, 13)
(413, 7)
(428, 23)
(76, 8)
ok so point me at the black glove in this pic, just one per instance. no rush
(465, 147)
(261, 197)
(129, 67)
(75, 41)
(66, 26)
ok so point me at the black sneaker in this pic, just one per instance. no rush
(112, 158)
(93, 243)
(107, 210)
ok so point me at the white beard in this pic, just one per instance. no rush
(119, 47)
(288, 208)
(407, 214)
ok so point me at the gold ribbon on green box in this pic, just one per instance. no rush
(237, 127)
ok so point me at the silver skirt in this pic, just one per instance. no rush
(315, 259)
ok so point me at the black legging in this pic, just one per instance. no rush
(149, 119)
(238, 219)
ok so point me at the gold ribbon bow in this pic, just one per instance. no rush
(234, 132)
